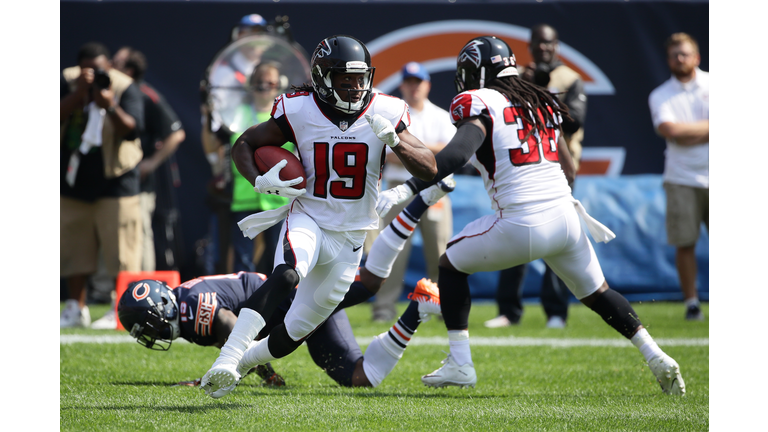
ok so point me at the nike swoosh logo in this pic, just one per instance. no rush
(357, 248)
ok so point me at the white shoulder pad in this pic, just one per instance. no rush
(390, 107)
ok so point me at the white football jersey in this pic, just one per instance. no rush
(518, 174)
(342, 161)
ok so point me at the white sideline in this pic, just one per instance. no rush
(443, 341)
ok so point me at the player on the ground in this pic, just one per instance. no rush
(204, 310)
(510, 130)
(340, 128)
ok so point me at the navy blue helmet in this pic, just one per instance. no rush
(148, 310)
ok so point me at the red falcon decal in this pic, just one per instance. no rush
(460, 107)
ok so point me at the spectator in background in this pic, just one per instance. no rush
(680, 113)
(101, 118)
(432, 125)
(234, 71)
(266, 83)
(228, 77)
(161, 137)
(547, 71)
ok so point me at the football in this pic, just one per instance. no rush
(268, 156)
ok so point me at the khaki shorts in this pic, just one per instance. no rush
(112, 223)
(687, 208)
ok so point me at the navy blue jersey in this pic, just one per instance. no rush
(200, 299)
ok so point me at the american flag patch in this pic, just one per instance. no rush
(206, 306)
(496, 59)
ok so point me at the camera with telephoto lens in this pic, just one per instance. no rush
(101, 79)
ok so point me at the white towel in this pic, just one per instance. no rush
(252, 225)
(599, 232)
(92, 135)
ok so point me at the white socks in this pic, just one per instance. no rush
(384, 352)
(248, 325)
(256, 354)
(382, 257)
(458, 340)
(645, 343)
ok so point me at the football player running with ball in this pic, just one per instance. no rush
(510, 131)
(204, 311)
(340, 128)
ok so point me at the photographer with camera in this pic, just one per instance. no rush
(549, 72)
(101, 118)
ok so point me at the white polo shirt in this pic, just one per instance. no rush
(678, 102)
(430, 125)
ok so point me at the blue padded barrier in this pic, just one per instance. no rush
(637, 263)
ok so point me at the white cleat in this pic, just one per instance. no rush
(434, 193)
(451, 374)
(667, 374)
(220, 380)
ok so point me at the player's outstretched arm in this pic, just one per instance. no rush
(414, 155)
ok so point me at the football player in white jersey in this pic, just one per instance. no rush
(510, 131)
(340, 128)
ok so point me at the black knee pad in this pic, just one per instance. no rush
(276, 289)
(617, 312)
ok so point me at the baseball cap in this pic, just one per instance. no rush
(252, 20)
(414, 69)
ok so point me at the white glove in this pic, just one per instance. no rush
(392, 197)
(383, 129)
(271, 184)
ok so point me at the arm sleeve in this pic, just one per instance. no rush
(455, 155)
(282, 123)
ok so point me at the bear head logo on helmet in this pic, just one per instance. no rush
(148, 310)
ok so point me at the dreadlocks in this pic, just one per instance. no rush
(533, 96)
(304, 87)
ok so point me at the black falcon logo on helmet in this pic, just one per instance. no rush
(471, 52)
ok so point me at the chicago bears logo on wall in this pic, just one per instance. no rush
(437, 44)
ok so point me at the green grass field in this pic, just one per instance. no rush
(527, 384)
